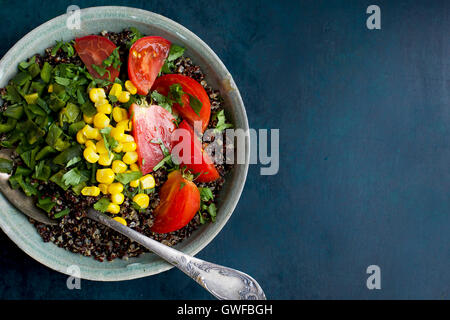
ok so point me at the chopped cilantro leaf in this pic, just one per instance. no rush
(102, 205)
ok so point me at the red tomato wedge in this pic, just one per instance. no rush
(190, 87)
(199, 162)
(151, 124)
(145, 60)
(93, 50)
(180, 201)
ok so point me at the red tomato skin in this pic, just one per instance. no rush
(180, 201)
(190, 86)
(94, 49)
(145, 60)
(151, 123)
(206, 168)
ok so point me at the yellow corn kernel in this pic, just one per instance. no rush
(116, 90)
(134, 167)
(50, 88)
(119, 166)
(90, 155)
(124, 97)
(95, 94)
(105, 176)
(105, 159)
(87, 119)
(117, 198)
(90, 191)
(81, 138)
(115, 187)
(130, 87)
(105, 108)
(129, 146)
(119, 114)
(128, 138)
(130, 157)
(118, 134)
(113, 208)
(90, 144)
(147, 182)
(101, 101)
(134, 183)
(119, 148)
(100, 147)
(91, 133)
(103, 188)
(121, 220)
(32, 98)
(125, 124)
(101, 120)
(142, 200)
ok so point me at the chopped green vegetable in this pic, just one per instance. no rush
(113, 59)
(46, 72)
(61, 214)
(127, 177)
(206, 194)
(102, 205)
(44, 152)
(135, 36)
(57, 178)
(42, 171)
(221, 121)
(74, 177)
(195, 104)
(46, 204)
(8, 126)
(174, 53)
(6, 166)
(64, 157)
(69, 113)
(14, 111)
(110, 142)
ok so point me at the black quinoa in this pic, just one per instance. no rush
(79, 234)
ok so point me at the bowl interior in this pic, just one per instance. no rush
(94, 20)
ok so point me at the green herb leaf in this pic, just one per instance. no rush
(206, 194)
(176, 93)
(174, 53)
(135, 35)
(127, 177)
(6, 165)
(74, 177)
(195, 104)
(61, 214)
(221, 121)
(102, 205)
(212, 210)
(110, 142)
(46, 204)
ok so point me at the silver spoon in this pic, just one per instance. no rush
(222, 282)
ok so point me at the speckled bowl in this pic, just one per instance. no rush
(94, 20)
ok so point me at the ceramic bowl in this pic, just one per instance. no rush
(94, 20)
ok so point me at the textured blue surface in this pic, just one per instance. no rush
(364, 120)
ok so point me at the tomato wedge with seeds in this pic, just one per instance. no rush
(190, 87)
(94, 49)
(150, 125)
(145, 60)
(199, 162)
(180, 201)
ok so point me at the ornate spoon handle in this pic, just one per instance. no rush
(222, 282)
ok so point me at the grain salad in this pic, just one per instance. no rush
(71, 116)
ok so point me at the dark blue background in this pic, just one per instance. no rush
(364, 119)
